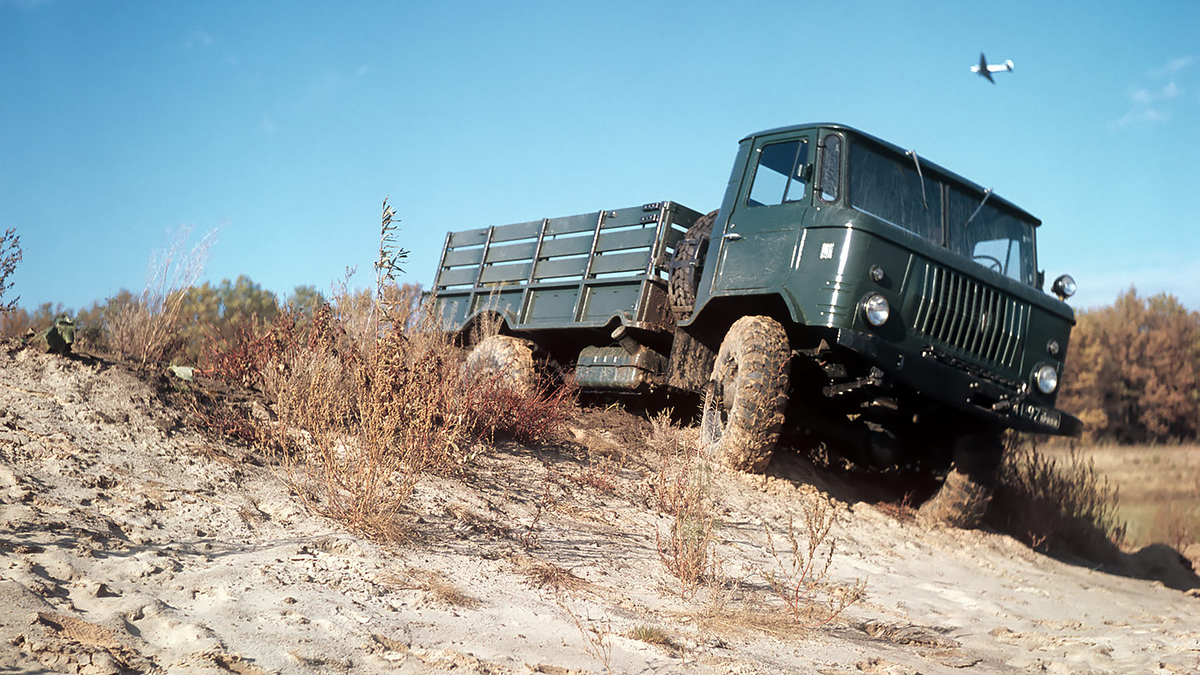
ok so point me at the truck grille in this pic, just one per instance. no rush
(970, 318)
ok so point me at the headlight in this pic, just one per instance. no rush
(877, 310)
(1063, 287)
(1046, 378)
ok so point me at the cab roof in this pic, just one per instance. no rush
(925, 164)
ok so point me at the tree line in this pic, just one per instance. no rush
(1134, 369)
(216, 310)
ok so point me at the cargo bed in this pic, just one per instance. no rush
(579, 271)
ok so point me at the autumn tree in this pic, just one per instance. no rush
(1134, 370)
(304, 300)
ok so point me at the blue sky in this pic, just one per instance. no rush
(287, 123)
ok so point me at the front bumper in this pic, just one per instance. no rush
(960, 389)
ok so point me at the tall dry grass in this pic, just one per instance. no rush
(683, 488)
(1061, 507)
(370, 395)
(359, 421)
(146, 327)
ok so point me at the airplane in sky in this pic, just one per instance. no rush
(985, 70)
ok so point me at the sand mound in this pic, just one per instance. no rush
(132, 544)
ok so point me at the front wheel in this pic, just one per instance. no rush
(969, 485)
(746, 397)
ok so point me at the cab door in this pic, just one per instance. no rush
(759, 241)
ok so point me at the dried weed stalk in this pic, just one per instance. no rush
(10, 255)
(596, 634)
(683, 489)
(800, 576)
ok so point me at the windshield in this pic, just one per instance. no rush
(992, 238)
(894, 189)
(890, 189)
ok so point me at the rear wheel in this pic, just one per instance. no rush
(747, 394)
(687, 265)
(504, 359)
(970, 483)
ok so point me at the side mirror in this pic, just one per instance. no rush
(1064, 287)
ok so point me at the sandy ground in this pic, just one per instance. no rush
(131, 544)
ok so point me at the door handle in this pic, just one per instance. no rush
(732, 236)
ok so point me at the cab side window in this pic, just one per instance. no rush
(781, 175)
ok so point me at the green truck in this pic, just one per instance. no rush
(847, 292)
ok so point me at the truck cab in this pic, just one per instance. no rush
(909, 289)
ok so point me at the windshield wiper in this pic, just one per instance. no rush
(986, 193)
(913, 154)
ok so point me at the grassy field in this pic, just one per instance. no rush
(1159, 490)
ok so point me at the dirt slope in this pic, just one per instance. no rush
(130, 544)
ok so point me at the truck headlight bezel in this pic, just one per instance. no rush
(1064, 287)
(1045, 378)
(876, 309)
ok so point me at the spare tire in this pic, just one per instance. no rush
(504, 359)
(747, 394)
(687, 265)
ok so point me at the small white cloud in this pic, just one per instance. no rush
(1153, 102)
(267, 126)
(1175, 65)
(1140, 115)
(199, 39)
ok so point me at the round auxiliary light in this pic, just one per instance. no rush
(876, 273)
(876, 309)
(1064, 287)
(1046, 378)
(1053, 347)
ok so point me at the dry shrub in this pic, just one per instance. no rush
(800, 577)
(10, 255)
(440, 589)
(683, 488)
(1064, 509)
(445, 591)
(363, 426)
(902, 511)
(678, 456)
(544, 574)
(359, 420)
(653, 635)
(600, 475)
(146, 327)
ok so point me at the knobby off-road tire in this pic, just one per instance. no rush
(747, 395)
(965, 494)
(503, 359)
(687, 265)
